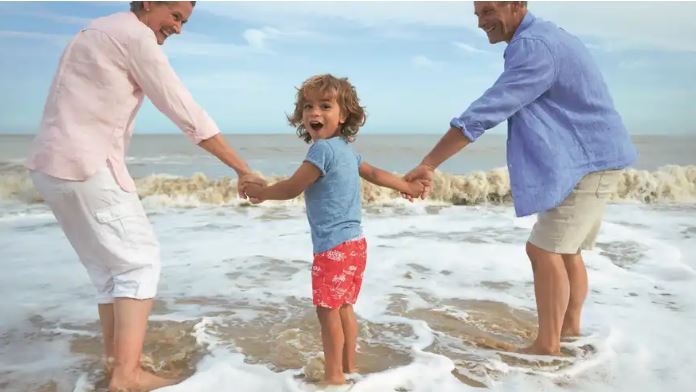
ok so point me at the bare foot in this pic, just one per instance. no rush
(484, 342)
(351, 371)
(333, 381)
(536, 350)
(142, 382)
(108, 363)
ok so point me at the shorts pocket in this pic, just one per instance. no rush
(126, 223)
(607, 184)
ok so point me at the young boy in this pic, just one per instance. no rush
(328, 115)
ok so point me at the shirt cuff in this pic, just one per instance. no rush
(457, 122)
(316, 164)
(203, 129)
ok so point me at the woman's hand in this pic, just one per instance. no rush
(255, 192)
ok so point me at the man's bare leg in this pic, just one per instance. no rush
(333, 342)
(552, 291)
(577, 277)
(130, 324)
(350, 333)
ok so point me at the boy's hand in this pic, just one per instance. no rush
(423, 173)
(416, 188)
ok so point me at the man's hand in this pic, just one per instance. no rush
(416, 188)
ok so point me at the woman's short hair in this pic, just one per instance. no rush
(347, 99)
(136, 6)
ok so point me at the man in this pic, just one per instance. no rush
(565, 140)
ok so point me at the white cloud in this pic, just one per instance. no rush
(55, 39)
(259, 39)
(468, 48)
(626, 25)
(424, 62)
(256, 39)
(372, 14)
(36, 10)
(614, 25)
(64, 19)
(231, 81)
(196, 44)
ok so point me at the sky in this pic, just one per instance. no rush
(415, 65)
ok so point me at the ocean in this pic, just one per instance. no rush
(447, 289)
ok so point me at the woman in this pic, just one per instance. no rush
(78, 166)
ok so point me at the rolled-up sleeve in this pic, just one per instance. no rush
(530, 70)
(149, 67)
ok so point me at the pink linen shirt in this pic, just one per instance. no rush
(102, 77)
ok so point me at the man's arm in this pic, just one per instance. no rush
(451, 143)
(530, 70)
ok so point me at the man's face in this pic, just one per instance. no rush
(499, 20)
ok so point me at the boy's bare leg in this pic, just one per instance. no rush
(106, 318)
(552, 291)
(577, 276)
(130, 324)
(350, 334)
(333, 341)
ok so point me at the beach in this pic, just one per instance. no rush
(447, 292)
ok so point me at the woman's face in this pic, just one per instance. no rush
(165, 18)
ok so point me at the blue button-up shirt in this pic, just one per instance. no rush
(562, 123)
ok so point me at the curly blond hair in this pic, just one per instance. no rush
(347, 99)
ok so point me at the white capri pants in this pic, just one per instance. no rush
(110, 232)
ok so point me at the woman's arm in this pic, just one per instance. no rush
(383, 178)
(149, 67)
(217, 145)
(305, 176)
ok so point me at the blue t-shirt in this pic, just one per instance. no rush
(333, 201)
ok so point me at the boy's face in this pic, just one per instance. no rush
(321, 115)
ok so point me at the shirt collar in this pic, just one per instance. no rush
(526, 22)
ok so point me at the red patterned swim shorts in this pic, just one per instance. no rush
(337, 274)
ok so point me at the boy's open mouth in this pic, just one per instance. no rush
(316, 125)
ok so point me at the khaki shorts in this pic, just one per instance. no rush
(573, 225)
(110, 232)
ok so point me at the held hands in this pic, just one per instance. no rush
(254, 192)
(416, 188)
(423, 175)
(249, 186)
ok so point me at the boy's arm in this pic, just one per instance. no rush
(305, 176)
(383, 178)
